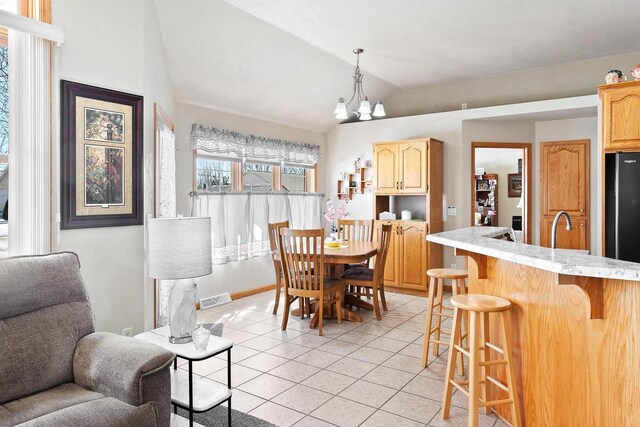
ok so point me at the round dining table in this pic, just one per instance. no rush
(337, 259)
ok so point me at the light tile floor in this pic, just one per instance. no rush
(356, 374)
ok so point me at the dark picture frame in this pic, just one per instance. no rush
(104, 187)
(515, 184)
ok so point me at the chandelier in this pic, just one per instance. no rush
(364, 110)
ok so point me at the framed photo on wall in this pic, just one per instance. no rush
(101, 157)
(515, 184)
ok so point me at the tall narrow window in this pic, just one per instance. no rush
(4, 147)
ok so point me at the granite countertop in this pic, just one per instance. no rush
(482, 240)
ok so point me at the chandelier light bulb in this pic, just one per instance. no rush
(341, 110)
(378, 110)
(365, 107)
(364, 116)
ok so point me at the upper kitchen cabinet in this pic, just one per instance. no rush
(385, 168)
(620, 116)
(403, 167)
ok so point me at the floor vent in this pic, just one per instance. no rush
(215, 301)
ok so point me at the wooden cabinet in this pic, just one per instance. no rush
(408, 257)
(576, 238)
(412, 167)
(408, 174)
(401, 167)
(564, 186)
(620, 116)
(385, 168)
(564, 177)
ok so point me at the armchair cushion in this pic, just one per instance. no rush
(127, 369)
(39, 404)
(105, 412)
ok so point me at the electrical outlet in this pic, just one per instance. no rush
(454, 266)
(464, 105)
(127, 332)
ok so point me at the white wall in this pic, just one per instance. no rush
(551, 82)
(457, 129)
(115, 45)
(562, 130)
(502, 161)
(241, 275)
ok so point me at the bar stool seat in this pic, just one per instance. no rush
(433, 328)
(447, 273)
(480, 303)
(482, 388)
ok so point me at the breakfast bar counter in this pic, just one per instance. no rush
(575, 322)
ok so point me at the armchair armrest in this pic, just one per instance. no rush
(127, 369)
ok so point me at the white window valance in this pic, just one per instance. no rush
(225, 142)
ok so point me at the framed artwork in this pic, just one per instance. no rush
(101, 157)
(515, 184)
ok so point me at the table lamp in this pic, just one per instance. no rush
(180, 249)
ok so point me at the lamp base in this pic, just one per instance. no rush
(182, 311)
(180, 340)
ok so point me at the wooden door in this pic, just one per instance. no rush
(564, 185)
(575, 239)
(391, 265)
(413, 255)
(621, 116)
(385, 163)
(412, 167)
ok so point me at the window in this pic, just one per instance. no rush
(215, 174)
(257, 177)
(4, 148)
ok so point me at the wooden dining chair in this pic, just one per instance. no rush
(355, 230)
(367, 278)
(302, 255)
(275, 256)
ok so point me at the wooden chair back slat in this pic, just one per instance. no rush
(356, 230)
(384, 240)
(302, 255)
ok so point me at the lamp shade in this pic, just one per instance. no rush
(378, 110)
(365, 107)
(179, 248)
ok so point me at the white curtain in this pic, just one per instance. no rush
(29, 144)
(239, 222)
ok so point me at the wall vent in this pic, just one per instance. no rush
(215, 301)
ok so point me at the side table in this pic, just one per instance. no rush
(194, 394)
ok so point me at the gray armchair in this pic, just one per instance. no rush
(55, 370)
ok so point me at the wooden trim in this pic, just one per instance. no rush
(527, 164)
(276, 178)
(253, 291)
(36, 9)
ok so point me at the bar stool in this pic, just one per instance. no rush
(478, 307)
(435, 308)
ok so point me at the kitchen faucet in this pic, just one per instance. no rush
(554, 227)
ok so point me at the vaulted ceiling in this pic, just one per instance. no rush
(288, 61)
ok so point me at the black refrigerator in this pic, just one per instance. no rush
(622, 206)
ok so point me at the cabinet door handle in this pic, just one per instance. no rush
(401, 187)
(397, 185)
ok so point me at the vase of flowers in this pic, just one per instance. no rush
(335, 211)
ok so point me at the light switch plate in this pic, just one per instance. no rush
(451, 210)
